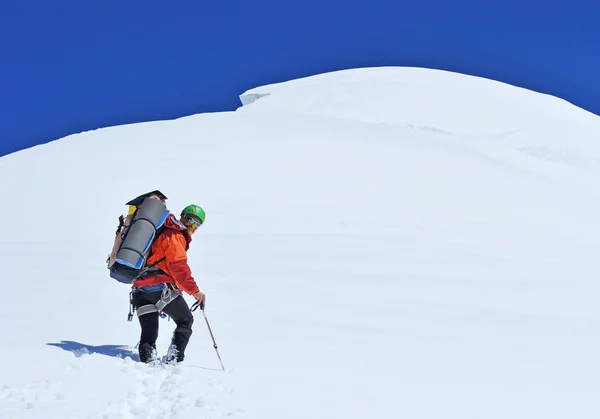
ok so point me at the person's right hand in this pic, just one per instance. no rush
(201, 298)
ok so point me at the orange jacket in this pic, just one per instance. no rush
(172, 245)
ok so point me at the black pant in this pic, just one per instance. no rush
(178, 310)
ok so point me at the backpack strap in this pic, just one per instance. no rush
(150, 270)
(121, 224)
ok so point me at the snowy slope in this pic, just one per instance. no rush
(380, 243)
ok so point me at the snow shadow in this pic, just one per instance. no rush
(80, 349)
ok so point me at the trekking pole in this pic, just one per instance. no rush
(201, 305)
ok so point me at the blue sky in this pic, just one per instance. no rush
(71, 66)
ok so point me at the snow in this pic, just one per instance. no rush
(379, 243)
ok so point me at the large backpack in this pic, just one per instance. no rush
(135, 235)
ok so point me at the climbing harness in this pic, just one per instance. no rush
(169, 293)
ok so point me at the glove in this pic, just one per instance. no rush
(200, 298)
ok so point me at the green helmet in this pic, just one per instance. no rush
(195, 211)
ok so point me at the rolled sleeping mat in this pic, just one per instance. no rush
(150, 216)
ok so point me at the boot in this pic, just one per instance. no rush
(181, 337)
(147, 352)
(174, 354)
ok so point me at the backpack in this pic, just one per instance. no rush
(135, 235)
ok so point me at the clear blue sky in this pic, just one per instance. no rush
(70, 66)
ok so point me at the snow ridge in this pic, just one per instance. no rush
(375, 239)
